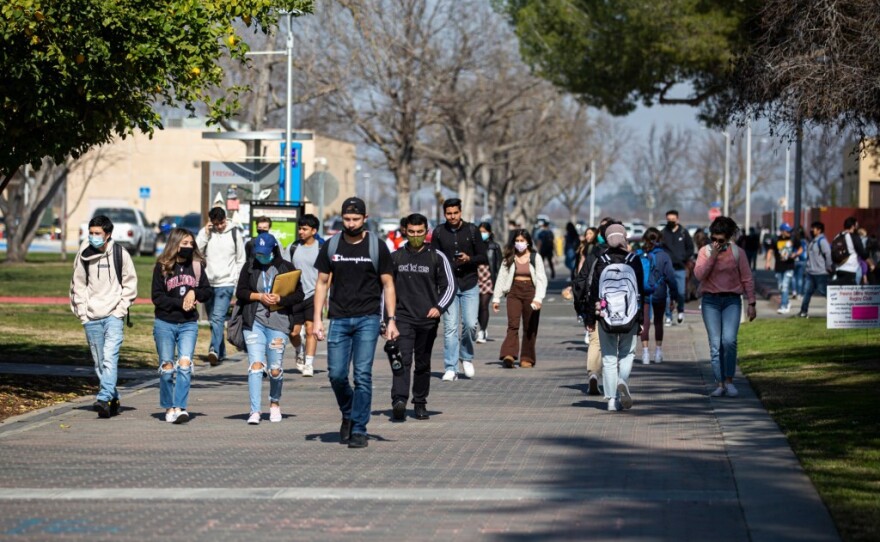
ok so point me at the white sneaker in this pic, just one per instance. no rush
(254, 418)
(612, 404)
(783, 310)
(481, 336)
(731, 390)
(182, 417)
(308, 370)
(171, 416)
(680, 317)
(646, 359)
(274, 414)
(300, 361)
(467, 368)
(717, 392)
(658, 356)
(668, 322)
(626, 400)
(450, 376)
(587, 338)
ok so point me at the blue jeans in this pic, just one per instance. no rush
(460, 328)
(800, 268)
(105, 337)
(680, 276)
(783, 281)
(264, 346)
(217, 307)
(721, 314)
(351, 342)
(174, 382)
(814, 283)
(618, 352)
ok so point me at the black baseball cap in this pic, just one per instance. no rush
(354, 206)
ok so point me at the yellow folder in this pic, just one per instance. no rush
(285, 284)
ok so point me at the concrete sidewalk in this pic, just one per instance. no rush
(519, 454)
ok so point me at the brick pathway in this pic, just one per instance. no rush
(510, 455)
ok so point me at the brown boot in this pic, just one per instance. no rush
(507, 362)
(526, 364)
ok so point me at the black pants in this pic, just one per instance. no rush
(416, 342)
(483, 313)
(843, 278)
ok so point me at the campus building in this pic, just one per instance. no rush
(170, 166)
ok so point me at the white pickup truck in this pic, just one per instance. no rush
(131, 229)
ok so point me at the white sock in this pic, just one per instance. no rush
(658, 352)
(310, 360)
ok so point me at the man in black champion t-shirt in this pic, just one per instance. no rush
(359, 283)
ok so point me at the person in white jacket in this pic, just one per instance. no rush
(103, 287)
(523, 281)
(220, 243)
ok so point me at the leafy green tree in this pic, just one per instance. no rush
(79, 72)
(614, 55)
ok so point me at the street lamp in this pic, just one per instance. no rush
(321, 161)
(726, 172)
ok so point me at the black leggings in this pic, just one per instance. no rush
(483, 314)
(659, 309)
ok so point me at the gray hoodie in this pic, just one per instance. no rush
(103, 296)
(819, 256)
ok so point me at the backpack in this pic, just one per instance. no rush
(619, 295)
(333, 246)
(839, 249)
(291, 249)
(580, 287)
(117, 264)
(652, 278)
(235, 328)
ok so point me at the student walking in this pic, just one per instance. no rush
(463, 246)
(847, 270)
(615, 304)
(264, 225)
(680, 247)
(819, 267)
(267, 320)
(224, 256)
(658, 276)
(572, 243)
(487, 275)
(362, 275)
(179, 284)
(546, 242)
(302, 254)
(784, 250)
(523, 281)
(425, 287)
(725, 276)
(103, 287)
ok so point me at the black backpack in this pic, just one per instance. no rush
(839, 249)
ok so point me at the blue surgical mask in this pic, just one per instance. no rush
(264, 259)
(484, 235)
(601, 239)
(96, 241)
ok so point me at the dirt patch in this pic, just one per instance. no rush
(23, 393)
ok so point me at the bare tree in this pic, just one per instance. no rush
(24, 202)
(659, 170)
(825, 152)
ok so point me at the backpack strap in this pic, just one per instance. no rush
(533, 257)
(197, 270)
(235, 238)
(117, 262)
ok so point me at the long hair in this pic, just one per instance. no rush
(651, 239)
(168, 258)
(510, 252)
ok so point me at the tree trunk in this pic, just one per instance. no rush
(403, 183)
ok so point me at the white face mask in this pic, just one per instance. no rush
(520, 246)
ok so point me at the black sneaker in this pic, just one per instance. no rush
(102, 408)
(594, 385)
(345, 431)
(398, 411)
(420, 411)
(358, 440)
(114, 407)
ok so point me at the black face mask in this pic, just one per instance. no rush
(185, 252)
(354, 232)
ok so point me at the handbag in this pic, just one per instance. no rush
(235, 328)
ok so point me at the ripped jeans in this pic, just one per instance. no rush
(266, 347)
(174, 380)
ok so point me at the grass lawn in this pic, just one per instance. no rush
(51, 334)
(45, 275)
(823, 388)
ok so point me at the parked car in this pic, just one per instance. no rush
(131, 229)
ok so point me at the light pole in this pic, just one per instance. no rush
(726, 172)
(320, 177)
(748, 220)
(592, 193)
